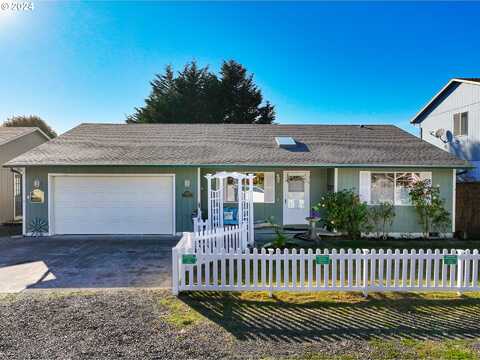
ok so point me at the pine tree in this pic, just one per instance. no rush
(193, 87)
(266, 114)
(161, 105)
(241, 96)
(197, 95)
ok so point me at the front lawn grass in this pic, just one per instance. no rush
(407, 350)
(389, 325)
(178, 313)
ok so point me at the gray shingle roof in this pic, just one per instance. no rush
(8, 134)
(217, 144)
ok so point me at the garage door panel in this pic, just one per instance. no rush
(113, 205)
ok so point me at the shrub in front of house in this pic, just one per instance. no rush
(344, 212)
(381, 219)
(281, 240)
(430, 207)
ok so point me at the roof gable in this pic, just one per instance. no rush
(445, 91)
(9, 134)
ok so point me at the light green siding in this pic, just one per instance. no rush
(320, 178)
(406, 219)
(183, 205)
(318, 186)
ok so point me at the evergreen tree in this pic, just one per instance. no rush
(160, 106)
(197, 95)
(241, 97)
(194, 102)
(266, 114)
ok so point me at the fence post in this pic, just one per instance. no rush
(190, 237)
(365, 272)
(175, 278)
(460, 269)
(195, 224)
(270, 272)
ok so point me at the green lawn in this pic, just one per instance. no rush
(388, 325)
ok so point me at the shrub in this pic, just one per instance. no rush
(344, 212)
(381, 218)
(430, 207)
(281, 239)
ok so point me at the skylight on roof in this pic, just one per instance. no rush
(285, 141)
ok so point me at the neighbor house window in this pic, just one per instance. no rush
(460, 123)
(391, 187)
(263, 188)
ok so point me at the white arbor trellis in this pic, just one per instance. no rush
(216, 199)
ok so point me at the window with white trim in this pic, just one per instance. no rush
(263, 188)
(391, 187)
(382, 188)
(460, 123)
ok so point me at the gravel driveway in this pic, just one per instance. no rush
(151, 324)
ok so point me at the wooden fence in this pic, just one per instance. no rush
(467, 214)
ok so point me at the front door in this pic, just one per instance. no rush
(296, 197)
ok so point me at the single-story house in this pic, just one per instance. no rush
(13, 142)
(150, 178)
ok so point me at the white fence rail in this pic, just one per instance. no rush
(360, 270)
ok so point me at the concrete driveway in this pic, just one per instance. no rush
(70, 262)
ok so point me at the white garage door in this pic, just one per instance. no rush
(113, 204)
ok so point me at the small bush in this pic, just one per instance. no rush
(281, 239)
(381, 218)
(430, 207)
(344, 212)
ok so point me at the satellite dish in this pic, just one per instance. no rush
(439, 133)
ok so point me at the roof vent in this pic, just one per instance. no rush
(285, 141)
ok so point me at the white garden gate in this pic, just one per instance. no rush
(216, 200)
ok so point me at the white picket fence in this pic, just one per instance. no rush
(228, 238)
(361, 270)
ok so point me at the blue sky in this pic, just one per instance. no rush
(344, 63)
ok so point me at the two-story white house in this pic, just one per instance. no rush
(451, 121)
